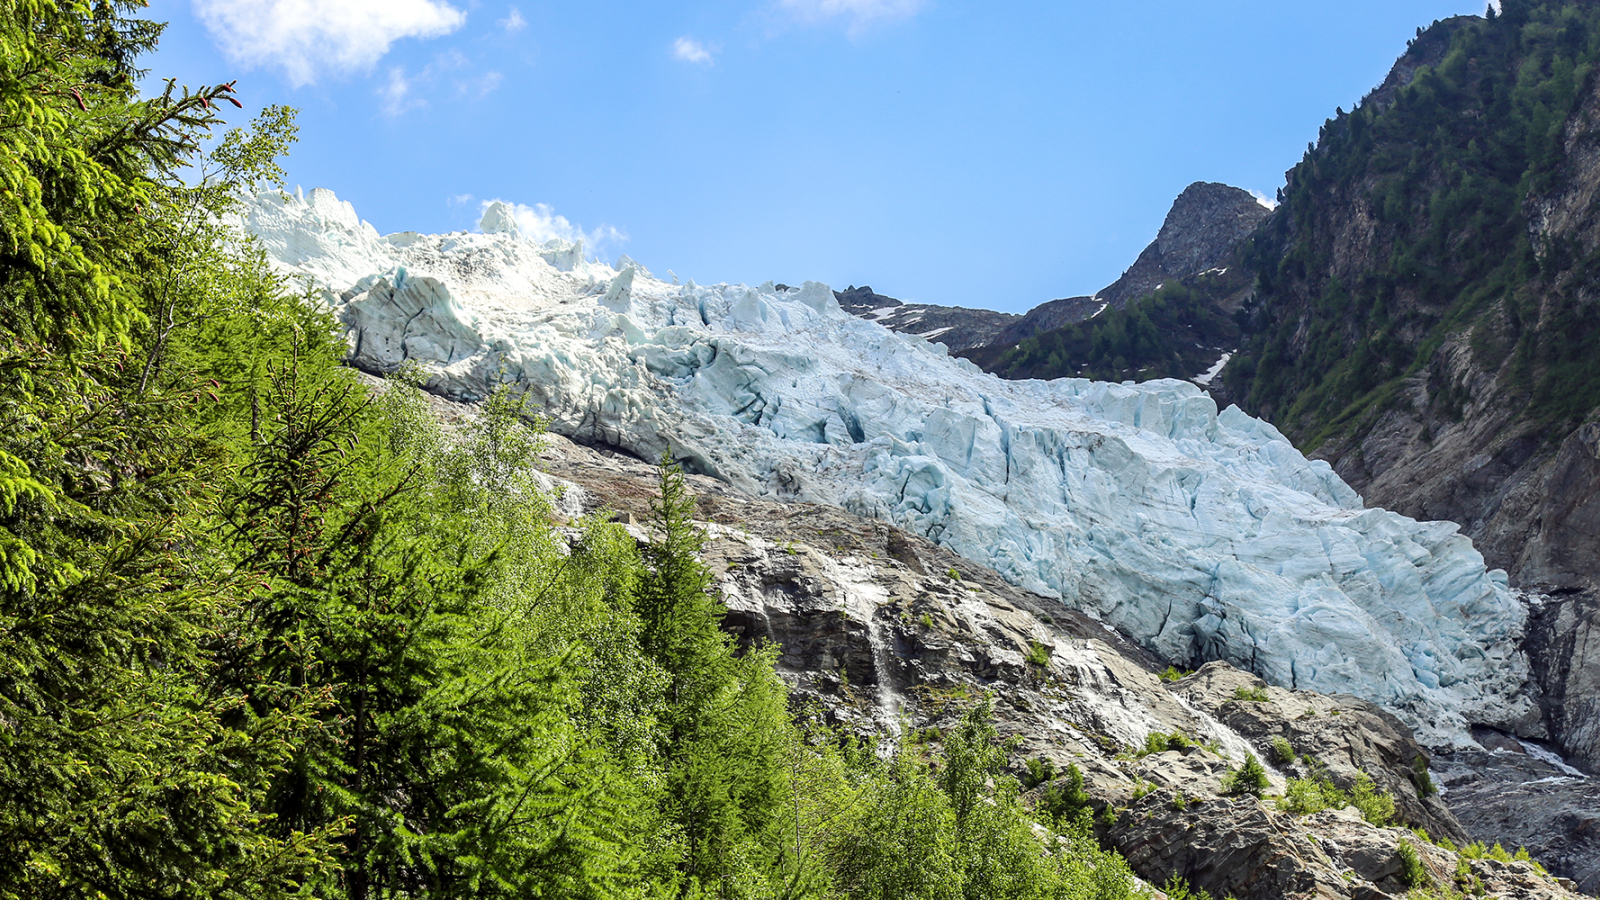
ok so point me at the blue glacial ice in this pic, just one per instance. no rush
(1205, 535)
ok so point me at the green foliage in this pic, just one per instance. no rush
(1178, 888)
(1037, 771)
(1282, 751)
(1305, 796)
(1160, 742)
(1422, 779)
(1376, 806)
(1066, 801)
(1173, 673)
(1038, 655)
(1413, 874)
(1250, 779)
(958, 830)
(1522, 855)
(129, 770)
(1250, 694)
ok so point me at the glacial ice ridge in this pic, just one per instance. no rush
(1205, 535)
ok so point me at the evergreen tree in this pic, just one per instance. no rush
(125, 773)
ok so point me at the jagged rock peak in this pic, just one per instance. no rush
(1205, 223)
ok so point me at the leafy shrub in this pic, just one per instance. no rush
(1305, 796)
(1466, 880)
(1173, 673)
(1038, 771)
(1250, 694)
(1038, 655)
(1282, 750)
(1422, 778)
(1066, 801)
(1376, 806)
(1522, 855)
(1178, 889)
(1477, 851)
(1160, 742)
(1413, 874)
(1250, 779)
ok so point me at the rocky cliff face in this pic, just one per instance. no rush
(956, 327)
(1206, 223)
(1202, 230)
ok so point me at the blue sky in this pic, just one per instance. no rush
(994, 154)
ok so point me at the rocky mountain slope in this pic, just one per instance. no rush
(954, 326)
(1199, 235)
(895, 635)
(1205, 224)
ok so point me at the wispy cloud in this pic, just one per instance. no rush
(513, 22)
(402, 90)
(691, 51)
(858, 13)
(1263, 199)
(307, 39)
(481, 86)
(540, 223)
(395, 94)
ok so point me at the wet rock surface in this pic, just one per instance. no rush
(1518, 794)
(1347, 737)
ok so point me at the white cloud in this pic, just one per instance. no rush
(540, 223)
(860, 13)
(481, 86)
(396, 93)
(690, 50)
(309, 38)
(460, 199)
(514, 22)
(1263, 199)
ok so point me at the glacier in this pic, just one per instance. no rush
(1203, 534)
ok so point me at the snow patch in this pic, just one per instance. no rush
(1205, 378)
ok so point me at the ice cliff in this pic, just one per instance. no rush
(1204, 535)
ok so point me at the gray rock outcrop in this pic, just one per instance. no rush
(1205, 224)
(958, 328)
